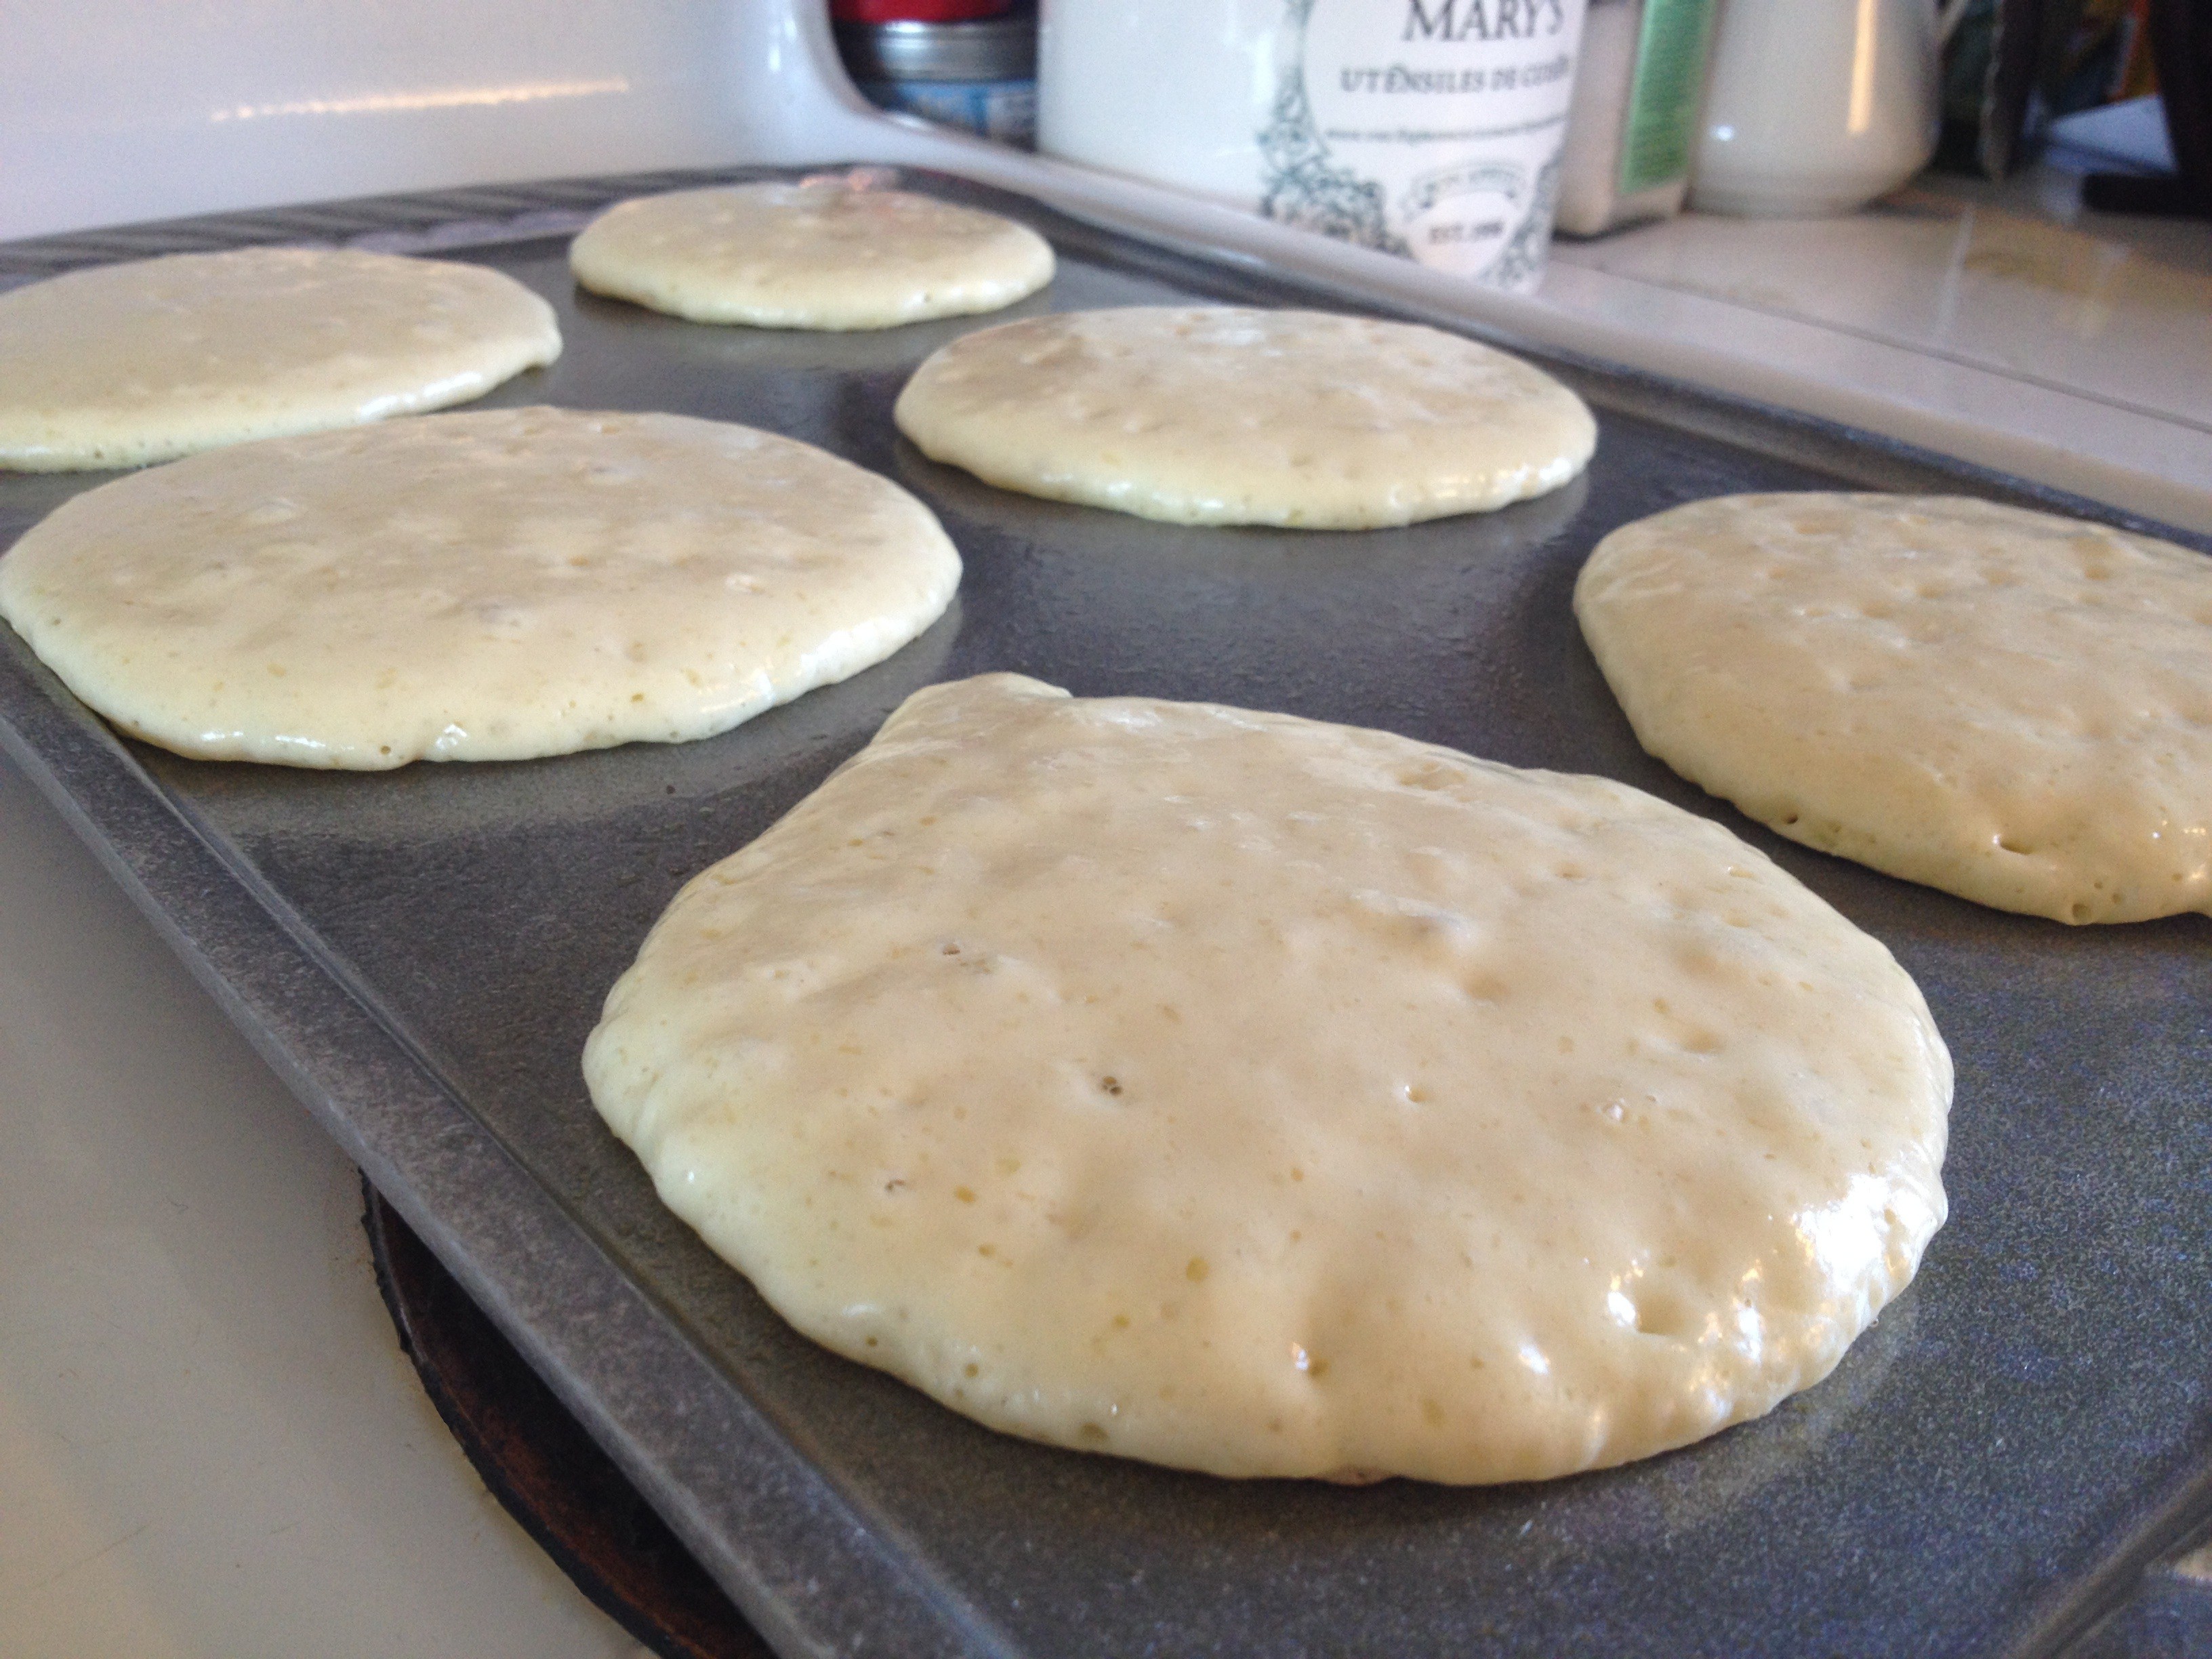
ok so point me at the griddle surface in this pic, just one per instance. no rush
(2027, 1418)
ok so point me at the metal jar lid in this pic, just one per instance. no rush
(995, 49)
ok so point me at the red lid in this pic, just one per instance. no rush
(917, 11)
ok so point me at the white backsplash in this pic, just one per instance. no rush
(112, 111)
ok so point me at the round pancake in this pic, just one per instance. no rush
(2013, 706)
(123, 365)
(808, 256)
(489, 586)
(1217, 416)
(1269, 1097)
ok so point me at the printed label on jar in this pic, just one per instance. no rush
(1426, 128)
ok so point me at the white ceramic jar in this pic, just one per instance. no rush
(1427, 128)
(1815, 106)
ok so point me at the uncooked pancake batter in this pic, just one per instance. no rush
(1270, 1097)
(817, 255)
(1220, 415)
(126, 364)
(490, 586)
(2009, 705)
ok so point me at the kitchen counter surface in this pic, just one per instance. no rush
(2012, 281)
(209, 1442)
(2077, 347)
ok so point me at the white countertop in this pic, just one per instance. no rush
(210, 1443)
(1998, 322)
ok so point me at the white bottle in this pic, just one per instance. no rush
(1427, 128)
(1633, 128)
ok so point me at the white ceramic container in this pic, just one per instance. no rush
(1815, 106)
(1427, 128)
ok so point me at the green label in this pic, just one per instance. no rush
(1662, 100)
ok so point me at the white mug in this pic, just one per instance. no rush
(1815, 106)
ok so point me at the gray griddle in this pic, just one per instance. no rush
(421, 954)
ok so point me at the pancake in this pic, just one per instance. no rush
(821, 256)
(489, 586)
(1220, 415)
(127, 364)
(1263, 1096)
(2009, 705)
